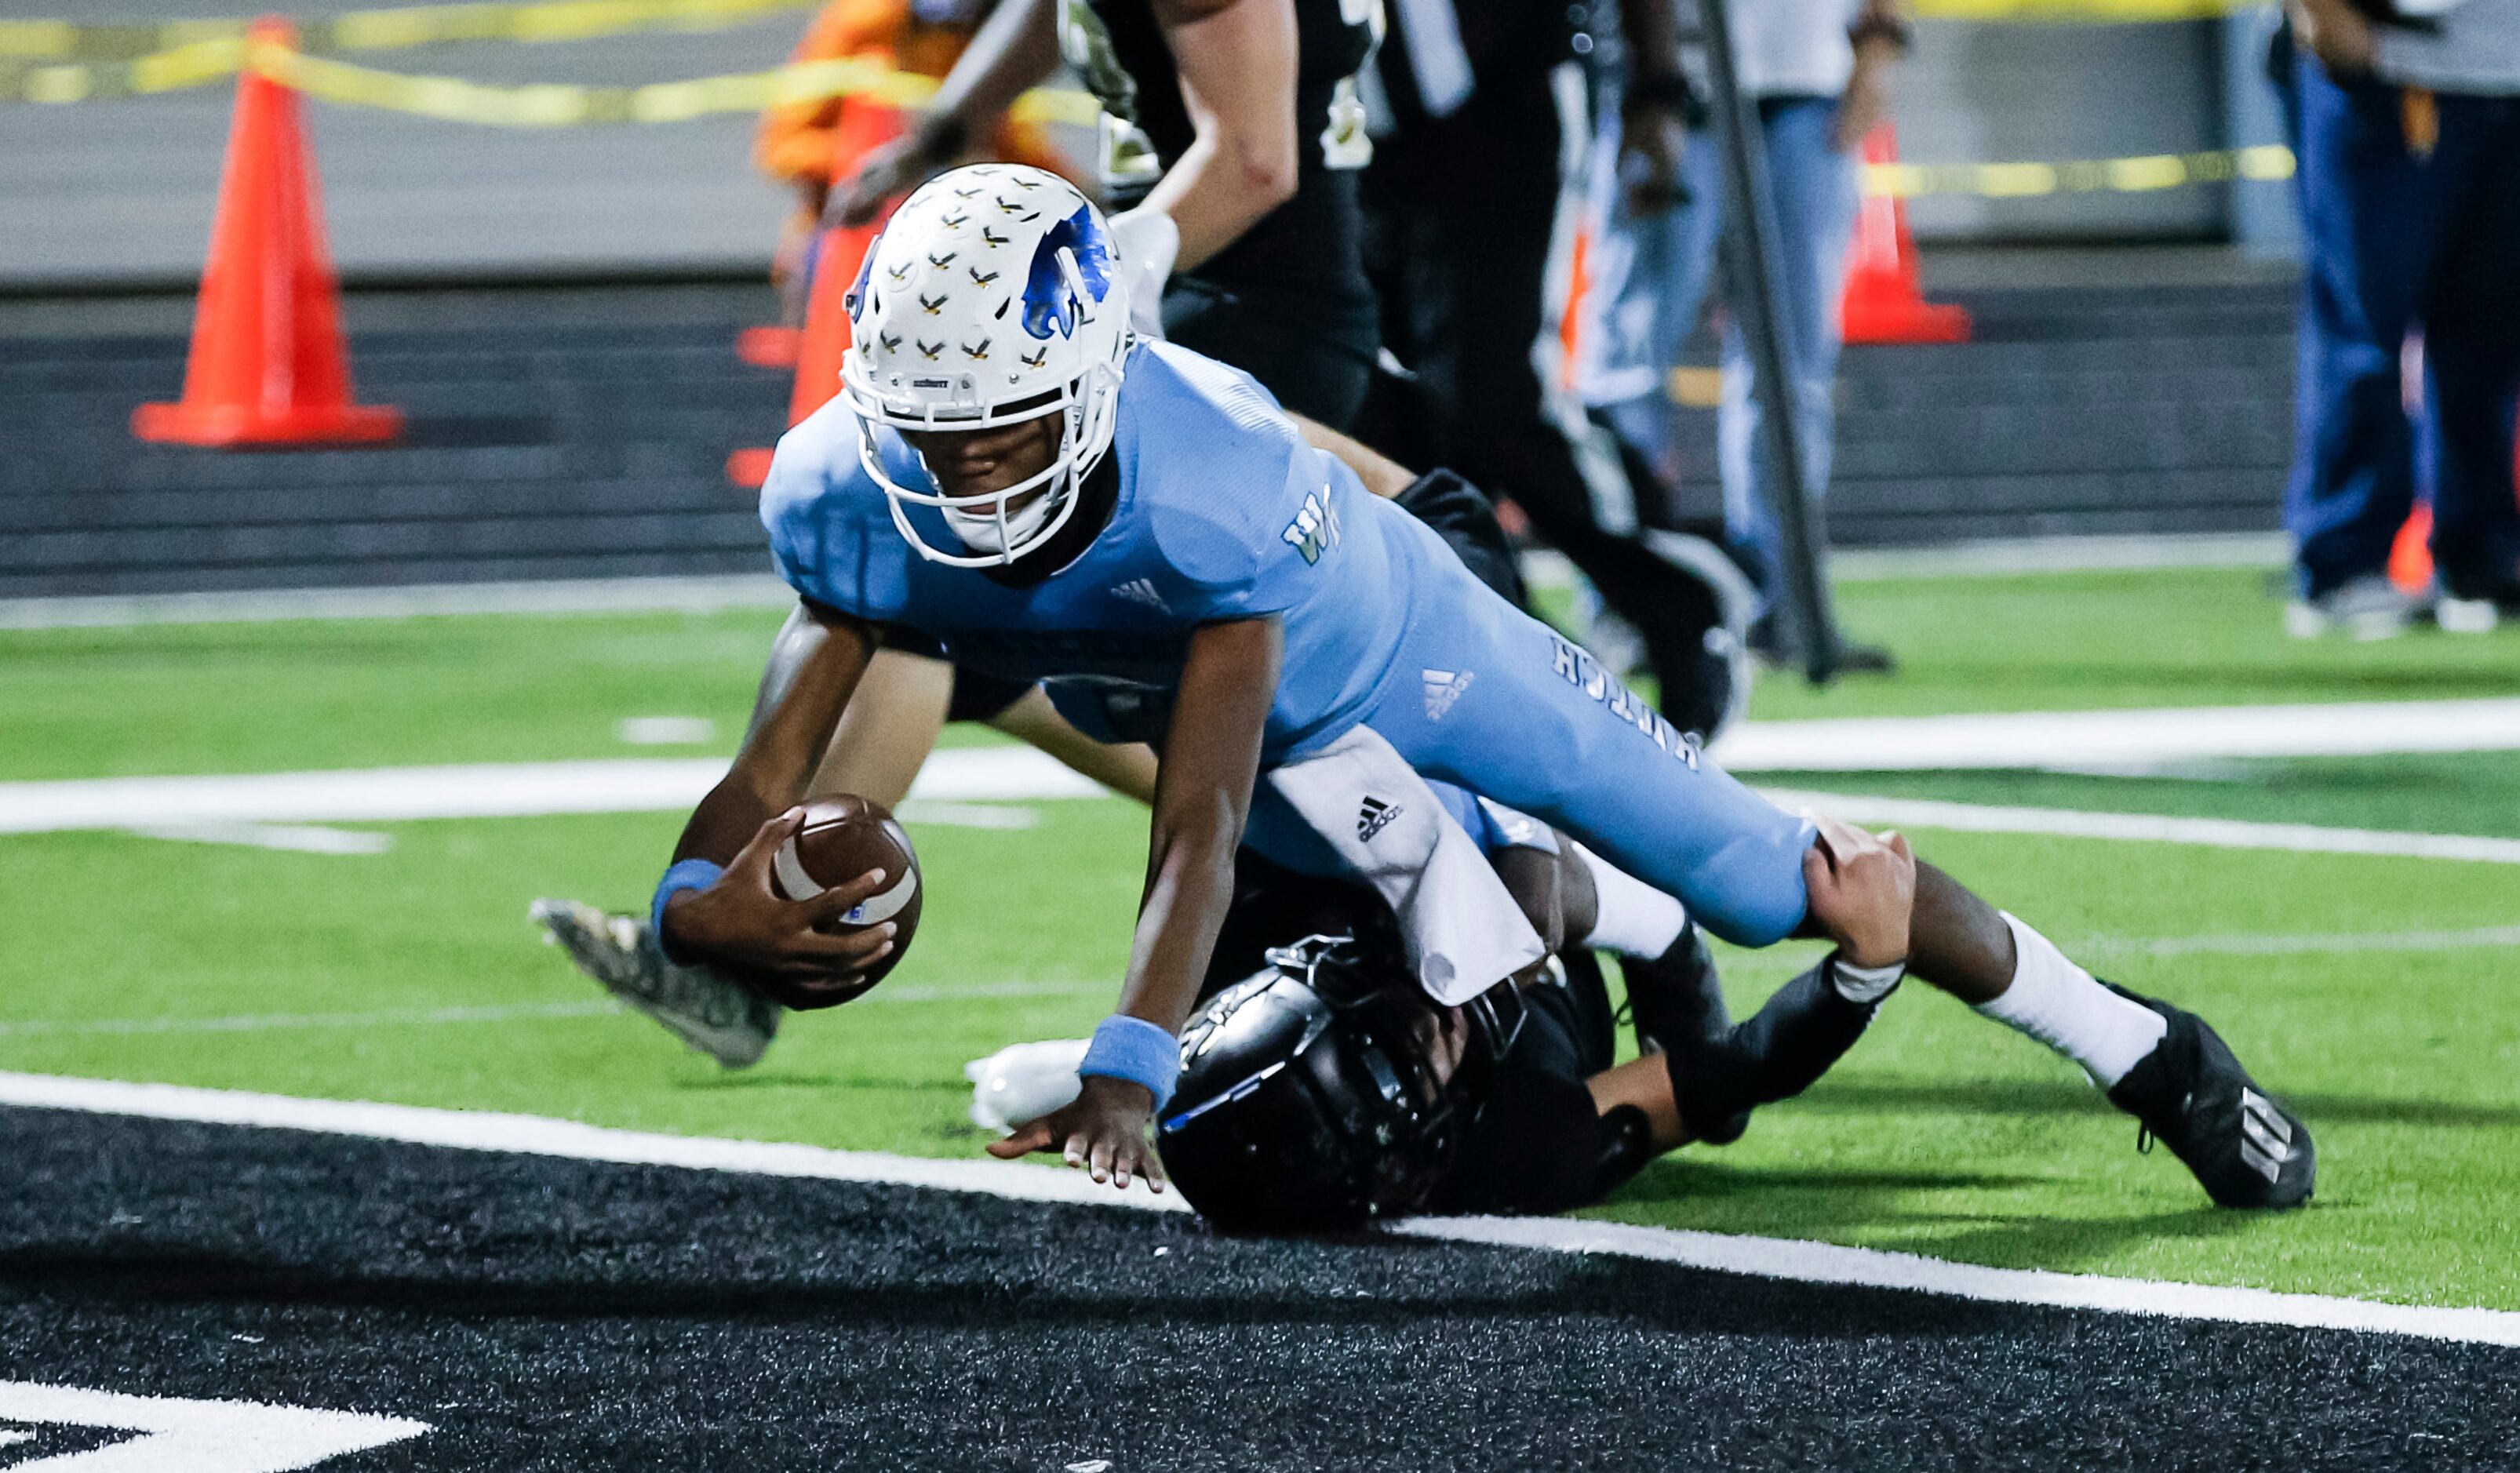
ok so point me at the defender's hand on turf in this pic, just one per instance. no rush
(775, 944)
(1104, 1131)
(1863, 889)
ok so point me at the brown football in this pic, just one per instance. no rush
(842, 838)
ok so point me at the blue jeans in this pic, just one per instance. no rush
(1650, 275)
(2398, 241)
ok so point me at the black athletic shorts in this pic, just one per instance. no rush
(1315, 354)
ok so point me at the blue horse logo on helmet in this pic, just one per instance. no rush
(1049, 302)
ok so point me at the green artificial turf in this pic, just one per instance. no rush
(413, 975)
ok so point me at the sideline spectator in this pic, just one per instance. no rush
(1820, 72)
(799, 143)
(1461, 204)
(2410, 186)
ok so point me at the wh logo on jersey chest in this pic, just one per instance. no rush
(1140, 592)
(1373, 817)
(1316, 528)
(1443, 687)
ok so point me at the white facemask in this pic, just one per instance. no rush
(982, 532)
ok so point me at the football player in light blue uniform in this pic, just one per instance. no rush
(1011, 473)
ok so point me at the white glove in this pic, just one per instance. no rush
(1022, 1082)
(1149, 240)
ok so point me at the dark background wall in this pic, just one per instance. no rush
(583, 432)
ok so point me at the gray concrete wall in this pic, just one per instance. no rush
(125, 191)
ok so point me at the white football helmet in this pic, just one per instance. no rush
(992, 297)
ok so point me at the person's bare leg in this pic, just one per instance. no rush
(888, 730)
(1127, 769)
(1956, 941)
(1646, 1084)
(1998, 966)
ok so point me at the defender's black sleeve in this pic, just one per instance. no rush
(1776, 1053)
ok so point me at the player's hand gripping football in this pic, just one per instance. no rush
(1863, 889)
(1103, 1131)
(777, 945)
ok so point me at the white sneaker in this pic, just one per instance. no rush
(2368, 608)
(2466, 615)
(707, 1012)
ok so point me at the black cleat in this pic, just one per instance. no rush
(2190, 1092)
(1676, 1001)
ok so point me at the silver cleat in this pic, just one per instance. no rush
(710, 1013)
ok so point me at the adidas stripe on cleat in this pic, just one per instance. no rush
(2192, 1094)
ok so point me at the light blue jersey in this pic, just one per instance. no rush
(1223, 512)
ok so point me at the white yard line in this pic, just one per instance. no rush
(695, 594)
(2215, 833)
(2121, 739)
(2479, 938)
(486, 790)
(968, 775)
(1766, 1258)
(302, 839)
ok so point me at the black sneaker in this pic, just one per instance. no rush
(1677, 1000)
(2247, 1149)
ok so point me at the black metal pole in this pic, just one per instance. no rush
(1750, 249)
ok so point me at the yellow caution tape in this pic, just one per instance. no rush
(564, 104)
(56, 41)
(2084, 176)
(554, 105)
(2080, 12)
(62, 41)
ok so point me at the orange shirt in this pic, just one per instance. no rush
(800, 140)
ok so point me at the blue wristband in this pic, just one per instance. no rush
(1137, 1050)
(685, 874)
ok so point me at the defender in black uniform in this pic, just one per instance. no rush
(1285, 298)
(1321, 1089)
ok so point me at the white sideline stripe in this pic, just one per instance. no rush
(484, 791)
(1766, 1258)
(691, 595)
(540, 1135)
(2119, 738)
(184, 1436)
(504, 1012)
(1543, 567)
(1876, 1269)
(2212, 834)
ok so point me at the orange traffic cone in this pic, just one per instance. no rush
(864, 127)
(267, 365)
(1884, 301)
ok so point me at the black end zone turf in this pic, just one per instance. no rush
(550, 1314)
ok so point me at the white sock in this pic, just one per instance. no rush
(2063, 1006)
(1633, 917)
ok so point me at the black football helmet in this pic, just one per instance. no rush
(1306, 1101)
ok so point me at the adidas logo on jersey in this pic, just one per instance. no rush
(1443, 687)
(1141, 592)
(1373, 817)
